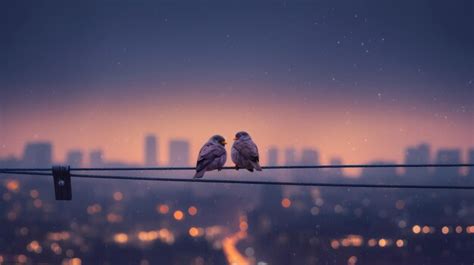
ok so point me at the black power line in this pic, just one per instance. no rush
(25, 173)
(233, 168)
(282, 183)
(253, 182)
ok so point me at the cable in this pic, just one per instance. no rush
(275, 167)
(252, 182)
(282, 183)
(25, 169)
(25, 173)
(233, 168)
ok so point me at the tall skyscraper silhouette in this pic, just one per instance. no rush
(96, 158)
(272, 156)
(74, 158)
(38, 154)
(470, 160)
(335, 172)
(419, 154)
(379, 174)
(309, 157)
(448, 156)
(151, 150)
(179, 153)
(290, 157)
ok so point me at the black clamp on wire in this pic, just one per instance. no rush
(62, 183)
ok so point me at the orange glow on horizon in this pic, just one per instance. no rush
(354, 133)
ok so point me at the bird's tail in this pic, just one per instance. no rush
(199, 174)
(256, 165)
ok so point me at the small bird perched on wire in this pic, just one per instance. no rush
(245, 152)
(212, 156)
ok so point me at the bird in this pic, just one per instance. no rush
(212, 156)
(245, 152)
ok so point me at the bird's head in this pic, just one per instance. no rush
(218, 140)
(241, 136)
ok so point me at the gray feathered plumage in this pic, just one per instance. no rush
(245, 152)
(212, 156)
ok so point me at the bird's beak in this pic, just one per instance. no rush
(223, 142)
(235, 138)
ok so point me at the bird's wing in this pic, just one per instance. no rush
(248, 149)
(207, 154)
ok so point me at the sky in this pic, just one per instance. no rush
(359, 80)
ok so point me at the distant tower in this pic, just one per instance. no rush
(74, 158)
(335, 172)
(179, 153)
(448, 156)
(309, 157)
(96, 158)
(151, 158)
(379, 173)
(38, 154)
(273, 156)
(471, 161)
(419, 154)
(290, 157)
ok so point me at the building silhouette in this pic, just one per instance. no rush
(151, 150)
(290, 157)
(179, 153)
(448, 156)
(74, 158)
(272, 156)
(419, 154)
(470, 159)
(309, 157)
(38, 154)
(335, 172)
(379, 174)
(96, 158)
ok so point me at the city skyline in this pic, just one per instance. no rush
(122, 139)
(40, 154)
